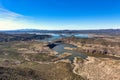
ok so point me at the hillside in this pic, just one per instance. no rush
(101, 31)
(21, 37)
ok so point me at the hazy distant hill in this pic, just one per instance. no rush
(102, 31)
(21, 37)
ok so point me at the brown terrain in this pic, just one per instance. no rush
(96, 45)
(34, 60)
(103, 62)
(98, 68)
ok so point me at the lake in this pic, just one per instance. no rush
(60, 47)
(59, 36)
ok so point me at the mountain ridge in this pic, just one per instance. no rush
(99, 31)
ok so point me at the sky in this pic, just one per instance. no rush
(59, 14)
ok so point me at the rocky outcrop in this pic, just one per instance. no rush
(34, 47)
(97, 68)
(96, 45)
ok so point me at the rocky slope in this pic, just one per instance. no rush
(106, 45)
(33, 60)
(98, 68)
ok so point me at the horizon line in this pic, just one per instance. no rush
(61, 29)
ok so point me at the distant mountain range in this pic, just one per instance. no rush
(101, 31)
(21, 37)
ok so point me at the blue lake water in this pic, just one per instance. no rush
(60, 49)
(60, 46)
(58, 36)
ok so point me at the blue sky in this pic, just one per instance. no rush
(59, 14)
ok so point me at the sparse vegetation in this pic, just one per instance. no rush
(34, 60)
(14, 65)
(97, 46)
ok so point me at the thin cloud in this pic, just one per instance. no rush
(4, 13)
(10, 20)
